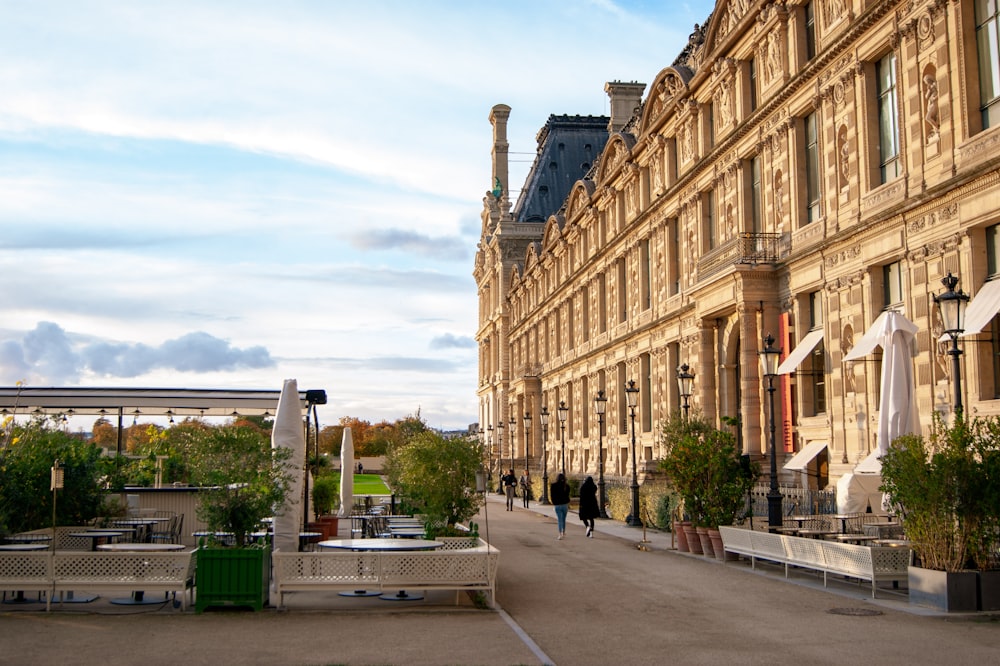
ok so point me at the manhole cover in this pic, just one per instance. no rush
(858, 612)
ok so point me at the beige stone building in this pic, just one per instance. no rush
(798, 169)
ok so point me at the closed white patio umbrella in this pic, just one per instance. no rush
(288, 433)
(346, 474)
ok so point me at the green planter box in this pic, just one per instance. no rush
(232, 577)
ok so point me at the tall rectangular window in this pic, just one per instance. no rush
(892, 284)
(622, 291)
(753, 84)
(708, 201)
(888, 120)
(602, 303)
(646, 278)
(818, 355)
(810, 31)
(815, 310)
(993, 249)
(993, 268)
(988, 50)
(812, 169)
(674, 258)
(585, 315)
(756, 198)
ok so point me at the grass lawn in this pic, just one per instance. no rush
(366, 484)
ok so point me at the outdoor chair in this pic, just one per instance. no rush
(168, 532)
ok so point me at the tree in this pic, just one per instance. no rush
(437, 475)
(25, 492)
(243, 479)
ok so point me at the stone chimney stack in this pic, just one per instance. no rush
(498, 118)
(625, 99)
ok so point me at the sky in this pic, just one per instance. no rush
(227, 194)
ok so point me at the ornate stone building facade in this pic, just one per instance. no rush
(799, 168)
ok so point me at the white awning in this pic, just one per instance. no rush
(982, 308)
(806, 345)
(802, 459)
(869, 341)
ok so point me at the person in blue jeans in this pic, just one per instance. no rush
(559, 491)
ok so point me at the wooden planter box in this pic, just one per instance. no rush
(943, 590)
(232, 577)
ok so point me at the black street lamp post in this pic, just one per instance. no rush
(562, 411)
(500, 457)
(632, 397)
(489, 453)
(527, 441)
(513, 429)
(952, 305)
(544, 418)
(601, 406)
(769, 358)
(685, 382)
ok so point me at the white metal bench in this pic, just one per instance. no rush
(167, 572)
(26, 571)
(461, 569)
(875, 564)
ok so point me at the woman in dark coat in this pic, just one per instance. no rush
(589, 508)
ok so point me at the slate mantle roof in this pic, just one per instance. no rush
(567, 148)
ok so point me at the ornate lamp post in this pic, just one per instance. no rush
(489, 453)
(601, 406)
(685, 382)
(544, 418)
(952, 305)
(527, 440)
(562, 411)
(500, 457)
(632, 397)
(513, 429)
(769, 357)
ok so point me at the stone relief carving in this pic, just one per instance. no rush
(772, 60)
(843, 157)
(932, 121)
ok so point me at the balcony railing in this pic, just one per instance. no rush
(747, 248)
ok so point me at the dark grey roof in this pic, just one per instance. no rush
(567, 147)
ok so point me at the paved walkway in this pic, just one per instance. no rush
(576, 602)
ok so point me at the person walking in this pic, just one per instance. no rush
(589, 508)
(525, 484)
(559, 492)
(510, 487)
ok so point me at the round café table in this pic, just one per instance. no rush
(382, 545)
(138, 597)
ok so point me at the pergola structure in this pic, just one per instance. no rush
(172, 403)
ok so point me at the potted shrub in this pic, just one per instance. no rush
(706, 469)
(326, 501)
(944, 489)
(243, 480)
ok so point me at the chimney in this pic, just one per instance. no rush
(625, 99)
(498, 118)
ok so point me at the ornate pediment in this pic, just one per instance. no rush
(669, 87)
(615, 154)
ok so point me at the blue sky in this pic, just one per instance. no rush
(228, 194)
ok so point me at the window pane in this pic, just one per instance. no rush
(992, 249)
(812, 169)
(888, 129)
(988, 46)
